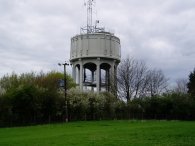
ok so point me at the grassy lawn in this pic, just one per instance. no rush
(102, 133)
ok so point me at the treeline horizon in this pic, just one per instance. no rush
(30, 99)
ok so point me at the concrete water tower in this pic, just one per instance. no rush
(95, 55)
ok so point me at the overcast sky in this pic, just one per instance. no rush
(35, 34)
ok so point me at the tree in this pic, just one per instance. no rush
(24, 101)
(191, 83)
(156, 82)
(32, 97)
(136, 80)
(140, 78)
(181, 86)
(126, 77)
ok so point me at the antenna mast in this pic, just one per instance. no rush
(89, 15)
(90, 28)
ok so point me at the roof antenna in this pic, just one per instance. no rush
(90, 16)
(90, 28)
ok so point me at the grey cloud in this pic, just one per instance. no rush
(36, 34)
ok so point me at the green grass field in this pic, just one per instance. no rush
(102, 133)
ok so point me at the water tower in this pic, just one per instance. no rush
(95, 55)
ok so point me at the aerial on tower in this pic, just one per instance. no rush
(91, 28)
(95, 55)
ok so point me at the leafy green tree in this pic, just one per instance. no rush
(24, 104)
(32, 97)
(191, 83)
(5, 111)
(9, 81)
(109, 102)
(135, 108)
(120, 109)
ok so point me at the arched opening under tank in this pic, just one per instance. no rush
(89, 77)
(105, 77)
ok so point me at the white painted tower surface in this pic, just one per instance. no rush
(95, 55)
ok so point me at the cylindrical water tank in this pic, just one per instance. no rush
(101, 44)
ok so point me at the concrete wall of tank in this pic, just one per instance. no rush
(95, 45)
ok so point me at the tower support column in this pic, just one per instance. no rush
(112, 79)
(92, 80)
(107, 80)
(74, 73)
(81, 76)
(98, 75)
